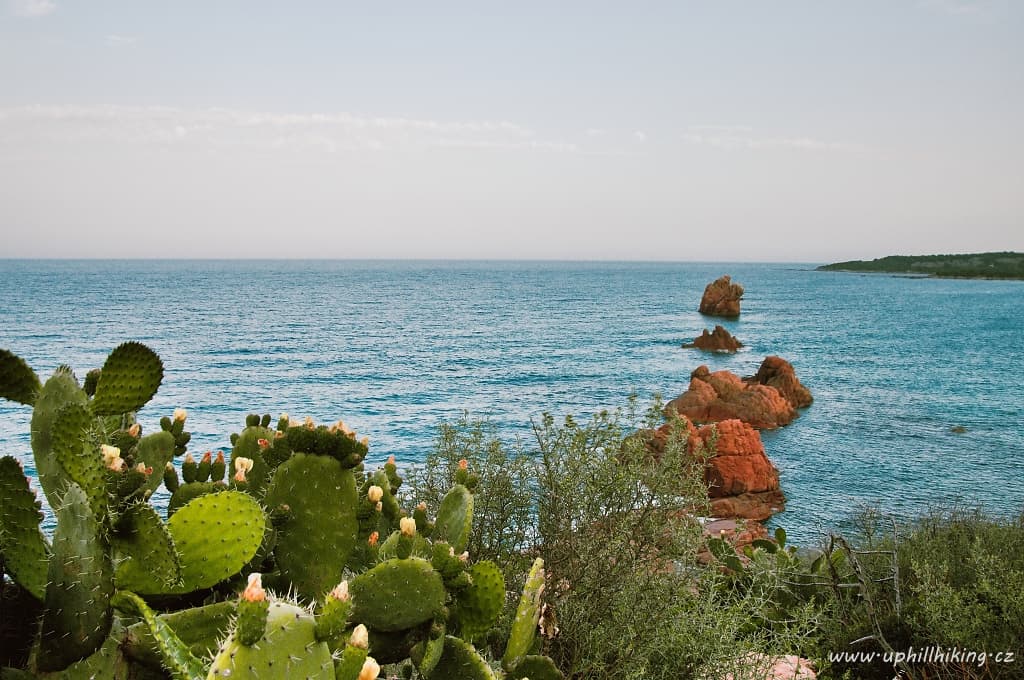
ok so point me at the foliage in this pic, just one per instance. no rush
(1002, 265)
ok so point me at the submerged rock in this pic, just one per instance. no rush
(721, 298)
(718, 340)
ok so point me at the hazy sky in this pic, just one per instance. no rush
(774, 130)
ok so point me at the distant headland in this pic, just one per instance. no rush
(1005, 265)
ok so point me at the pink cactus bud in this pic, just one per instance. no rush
(360, 637)
(463, 464)
(340, 592)
(422, 507)
(189, 459)
(220, 457)
(254, 590)
(391, 459)
(370, 671)
(262, 443)
(207, 457)
(374, 538)
(135, 430)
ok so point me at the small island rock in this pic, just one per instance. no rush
(718, 340)
(778, 373)
(721, 298)
(722, 395)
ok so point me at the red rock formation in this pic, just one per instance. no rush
(718, 340)
(778, 373)
(742, 482)
(721, 298)
(713, 397)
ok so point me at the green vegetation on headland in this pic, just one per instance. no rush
(578, 557)
(1005, 265)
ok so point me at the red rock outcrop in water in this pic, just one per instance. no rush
(718, 340)
(721, 298)
(743, 483)
(778, 373)
(713, 397)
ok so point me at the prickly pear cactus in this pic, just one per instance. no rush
(22, 544)
(77, 614)
(147, 561)
(455, 518)
(288, 649)
(477, 606)
(59, 391)
(215, 536)
(317, 498)
(129, 378)
(174, 654)
(461, 660)
(18, 382)
(397, 594)
(524, 626)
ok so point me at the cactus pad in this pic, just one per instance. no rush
(22, 544)
(77, 614)
(288, 650)
(61, 389)
(130, 377)
(247, 446)
(397, 594)
(78, 456)
(455, 518)
(477, 606)
(524, 626)
(149, 561)
(174, 654)
(536, 668)
(198, 628)
(317, 537)
(461, 660)
(155, 450)
(190, 491)
(215, 535)
(18, 382)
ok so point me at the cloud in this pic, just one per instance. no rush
(32, 8)
(232, 128)
(113, 40)
(640, 136)
(742, 137)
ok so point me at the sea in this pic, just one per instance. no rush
(397, 348)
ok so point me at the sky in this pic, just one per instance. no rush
(768, 130)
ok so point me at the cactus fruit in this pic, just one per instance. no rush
(316, 538)
(333, 615)
(455, 518)
(288, 649)
(18, 382)
(216, 535)
(77, 613)
(175, 655)
(461, 660)
(397, 594)
(477, 606)
(22, 544)
(535, 668)
(248, 446)
(524, 626)
(129, 378)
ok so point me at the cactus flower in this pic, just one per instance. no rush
(463, 464)
(408, 526)
(262, 443)
(144, 469)
(391, 459)
(135, 430)
(379, 507)
(309, 423)
(374, 538)
(278, 434)
(340, 592)
(375, 493)
(254, 590)
(180, 414)
(370, 671)
(360, 637)
(112, 457)
(242, 465)
(422, 507)
(464, 557)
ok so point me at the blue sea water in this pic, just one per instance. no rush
(396, 348)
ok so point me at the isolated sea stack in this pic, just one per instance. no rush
(721, 298)
(723, 395)
(718, 340)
